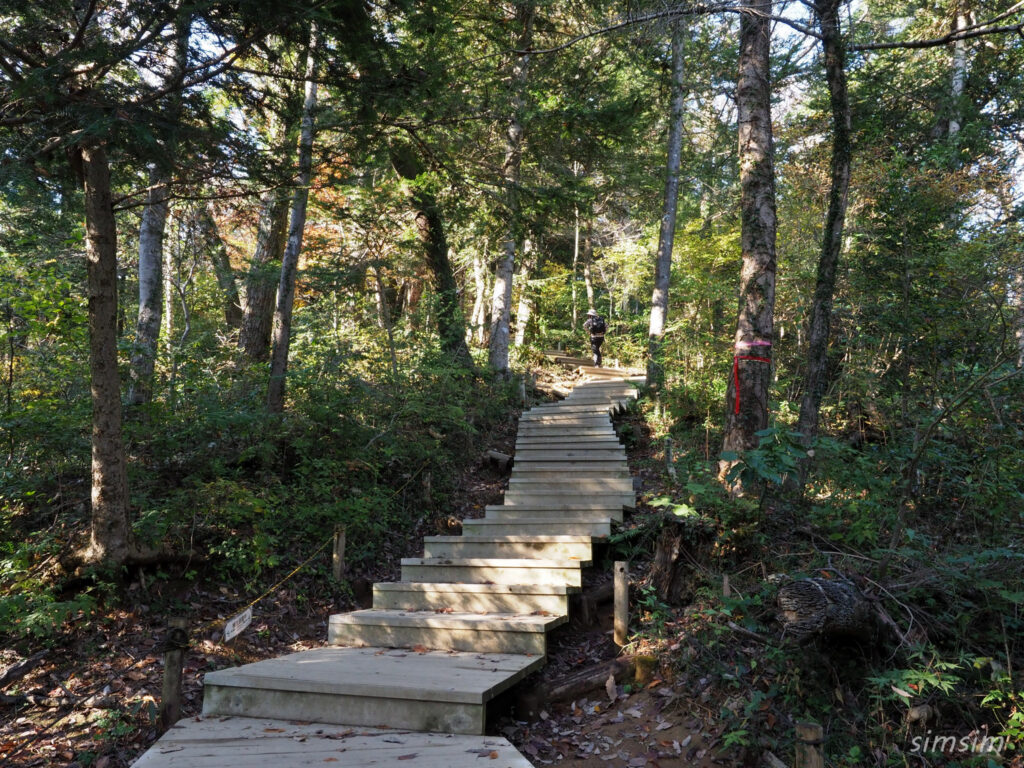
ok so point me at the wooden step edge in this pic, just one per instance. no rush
(527, 623)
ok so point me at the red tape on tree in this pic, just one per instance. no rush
(736, 364)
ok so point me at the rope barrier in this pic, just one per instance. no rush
(203, 628)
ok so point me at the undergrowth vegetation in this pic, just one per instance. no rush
(937, 556)
(241, 495)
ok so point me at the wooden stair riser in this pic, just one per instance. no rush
(478, 547)
(598, 528)
(538, 471)
(573, 484)
(572, 454)
(569, 467)
(406, 597)
(485, 641)
(478, 574)
(552, 514)
(302, 706)
(570, 501)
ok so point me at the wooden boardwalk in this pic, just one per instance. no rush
(410, 678)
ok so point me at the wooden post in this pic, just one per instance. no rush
(522, 389)
(670, 466)
(174, 657)
(621, 602)
(809, 741)
(338, 555)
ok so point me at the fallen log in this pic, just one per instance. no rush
(531, 701)
(501, 460)
(22, 668)
(825, 608)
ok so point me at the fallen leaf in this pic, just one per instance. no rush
(610, 689)
(408, 757)
(273, 730)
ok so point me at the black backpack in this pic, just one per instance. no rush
(597, 326)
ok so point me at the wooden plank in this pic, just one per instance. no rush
(229, 742)
(432, 676)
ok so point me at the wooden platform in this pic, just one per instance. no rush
(467, 621)
(263, 743)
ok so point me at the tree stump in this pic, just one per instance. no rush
(679, 548)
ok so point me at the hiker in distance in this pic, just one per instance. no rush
(595, 326)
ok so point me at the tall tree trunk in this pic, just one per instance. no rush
(151, 259)
(502, 297)
(431, 233)
(575, 268)
(290, 259)
(1020, 316)
(221, 267)
(151, 244)
(747, 393)
(666, 235)
(815, 378)
(478, 325)
(588, 260)
(111, 538)
(960, 22)
(529, 262)
(264, 275)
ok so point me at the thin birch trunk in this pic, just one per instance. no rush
(523, 309)
(575, 268)
(384, 320)
(960, 22)
(151, 246)
(588, 260)
(666, 235)
(147, 328)
(290, 259)
(168, 326)
(478, 323)
(502, 296)
(110, 535)
(1019, 297)
(815, 377)
(747, 393)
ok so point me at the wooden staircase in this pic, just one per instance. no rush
(467, 621)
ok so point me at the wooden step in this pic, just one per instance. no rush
(570, 466)
(540, 473)
(437, 691)
(570, 500)
(583, 453)
(551, 512)
(562, 419)
(481, 632)
(545, 547)
(228, 742)
(575, 484)
(492, 571)
(480, 598)
(556, 440)
(572, 524)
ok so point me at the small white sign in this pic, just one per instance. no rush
(234, 626)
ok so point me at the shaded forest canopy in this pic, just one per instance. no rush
(266, 269)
